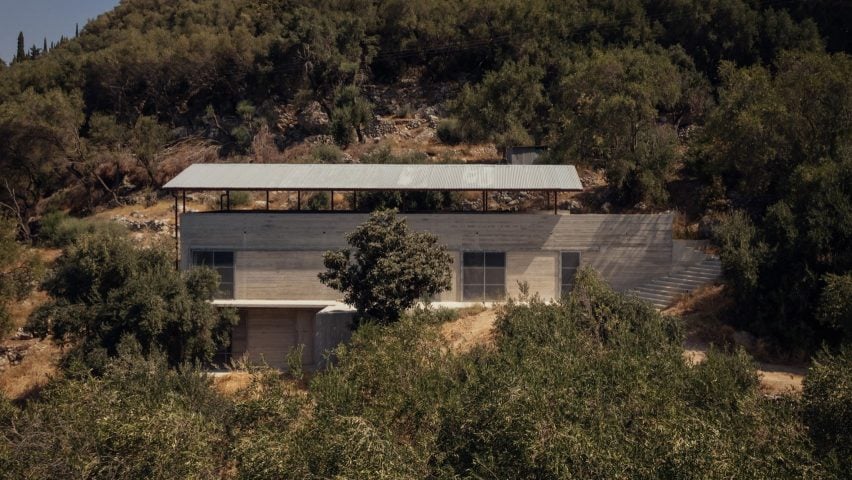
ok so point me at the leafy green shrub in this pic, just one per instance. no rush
(327, 154)
(319, 201)
(104, 288)
(139, 420)
(449, 132)
(827, 406)
(239, 198)
(835, 304)
(388, 267)
(59, 230)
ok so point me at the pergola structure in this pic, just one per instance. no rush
(228, 177)
(265, 177)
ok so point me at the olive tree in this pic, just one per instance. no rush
(388, 267)
(104, 289)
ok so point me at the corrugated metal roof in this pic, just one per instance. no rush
(266, 176)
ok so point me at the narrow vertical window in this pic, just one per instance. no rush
(221, 261)
(570, 264)
(483, 276)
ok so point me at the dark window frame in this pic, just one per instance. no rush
(224, 262)
(488, 262)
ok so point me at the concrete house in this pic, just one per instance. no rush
(269, 260)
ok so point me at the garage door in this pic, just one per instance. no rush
(270, 334)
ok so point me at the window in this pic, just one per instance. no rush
(483, 276)
(223, 263)
(570, 264)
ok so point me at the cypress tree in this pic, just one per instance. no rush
(44, 49)
(76, 30)
(22, 54)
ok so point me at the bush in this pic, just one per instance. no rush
(327, 154)
(827, 406)
(105, 288)
(59, 230)
(239, 198)
(449, 131)
(388, 268)
(140, 420)
(319, 201)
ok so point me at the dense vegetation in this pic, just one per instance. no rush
(592, 387)
(748, 100)
(106, 290)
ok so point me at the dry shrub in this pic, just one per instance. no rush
(176, 158)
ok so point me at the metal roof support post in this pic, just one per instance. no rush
(298, 200)
(556, 202)
(332, 200)
(228, 199)
(267, 199)
(355, 201)
(177, 241)
(484, 202)
(184, 201)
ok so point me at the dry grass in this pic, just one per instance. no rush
(35, 370)
(470, 330)
(230, 383)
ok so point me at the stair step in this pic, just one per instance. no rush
(702, 269)
(698, 277)
(663, 289)
(672, 280)
(656, 296)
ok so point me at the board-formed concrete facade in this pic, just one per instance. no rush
(277, 256)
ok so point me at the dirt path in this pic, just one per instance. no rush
(774, 379)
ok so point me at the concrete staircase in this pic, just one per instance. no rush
(663, 291)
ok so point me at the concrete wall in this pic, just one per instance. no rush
(267, 335)
(279, 254)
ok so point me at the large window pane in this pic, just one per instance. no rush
(223, 262)
(473, 275)
(202, 258)
(495, 292)
(473, 259)
(226, 274)
(224, 259)
(570, 265)
(495, 276)
(495, 259)
(483, 276)
(472, 293)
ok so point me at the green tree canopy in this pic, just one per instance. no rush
(104, 288)
(388, 268)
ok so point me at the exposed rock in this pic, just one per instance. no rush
(319, 140)
(10, 356)
(20, 334)
(313, 119)
(380, 128)
(140, 223)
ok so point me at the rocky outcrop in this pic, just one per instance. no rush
(313, 119)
